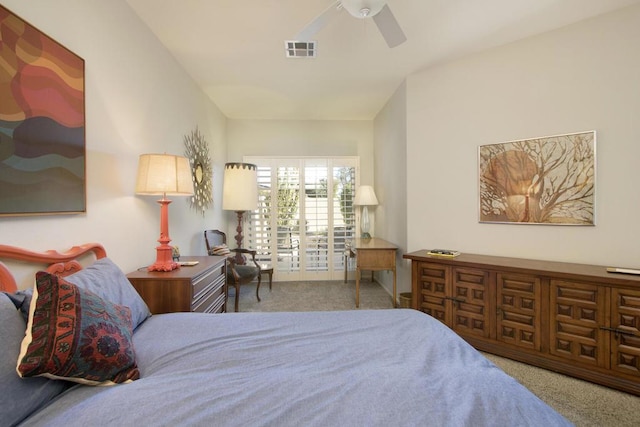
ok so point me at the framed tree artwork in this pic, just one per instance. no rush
(549, 180)
(42, 123)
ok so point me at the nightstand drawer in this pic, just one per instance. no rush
(205, 299)
(212, 304)
(209, 279)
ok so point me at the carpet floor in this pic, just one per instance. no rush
(582, 403)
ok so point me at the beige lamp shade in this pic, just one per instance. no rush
(164, 174)
(240, 187)
(365, 196)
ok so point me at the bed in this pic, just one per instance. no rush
(395, 367)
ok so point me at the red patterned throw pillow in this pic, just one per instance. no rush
(75, 335)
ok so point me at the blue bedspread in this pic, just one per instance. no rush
(351, 368)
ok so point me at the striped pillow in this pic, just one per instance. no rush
(220, 250)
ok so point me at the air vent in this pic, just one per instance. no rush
(297, 49)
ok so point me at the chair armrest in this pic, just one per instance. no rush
(249, 252)
(244, 251)
(232, 266)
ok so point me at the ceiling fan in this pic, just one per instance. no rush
(362, 9)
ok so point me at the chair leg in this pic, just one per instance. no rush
(258, 287)
(346, 265)
(237, 296)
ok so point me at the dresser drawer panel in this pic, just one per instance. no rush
(206, 300)
(469, 300)
(470, 285)
(518, 317)
(577, 314)
(432, 279)
(625, 319)
(202, 284)
(432, 271)
(217, 305)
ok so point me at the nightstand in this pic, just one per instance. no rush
(201, 287)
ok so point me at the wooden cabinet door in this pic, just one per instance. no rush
(625, 325)
(433, 289)
(518, 316)
(578, 315)
(469, 298)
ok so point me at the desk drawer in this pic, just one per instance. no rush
(382, 259)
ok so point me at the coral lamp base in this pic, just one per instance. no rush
(164, 253)
(164, 260)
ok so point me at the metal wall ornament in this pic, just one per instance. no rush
(197, 151)
(548, 180)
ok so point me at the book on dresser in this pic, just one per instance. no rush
(443, 252)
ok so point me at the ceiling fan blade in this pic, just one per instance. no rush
(319, 22)
(389, 27)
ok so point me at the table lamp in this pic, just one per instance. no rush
(164, 174)
(365, 196)
(240, 194)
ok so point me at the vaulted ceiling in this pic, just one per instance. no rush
(235, 49)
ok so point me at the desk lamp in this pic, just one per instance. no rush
(365, 196)
(164, 174)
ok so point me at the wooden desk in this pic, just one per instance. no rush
(374, 255)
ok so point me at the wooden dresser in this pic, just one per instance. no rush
(200, 288)
(575, 319)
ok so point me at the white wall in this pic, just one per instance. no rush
(138, 100)
(303, 138)
(390, 148)
(582, 77)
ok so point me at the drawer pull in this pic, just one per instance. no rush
(456, 300)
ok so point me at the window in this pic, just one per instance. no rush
(305, 215)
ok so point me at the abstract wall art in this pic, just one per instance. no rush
(42, 123)
(548, 180)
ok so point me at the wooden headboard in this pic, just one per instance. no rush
(61, 263)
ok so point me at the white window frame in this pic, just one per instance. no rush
(301, 162)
